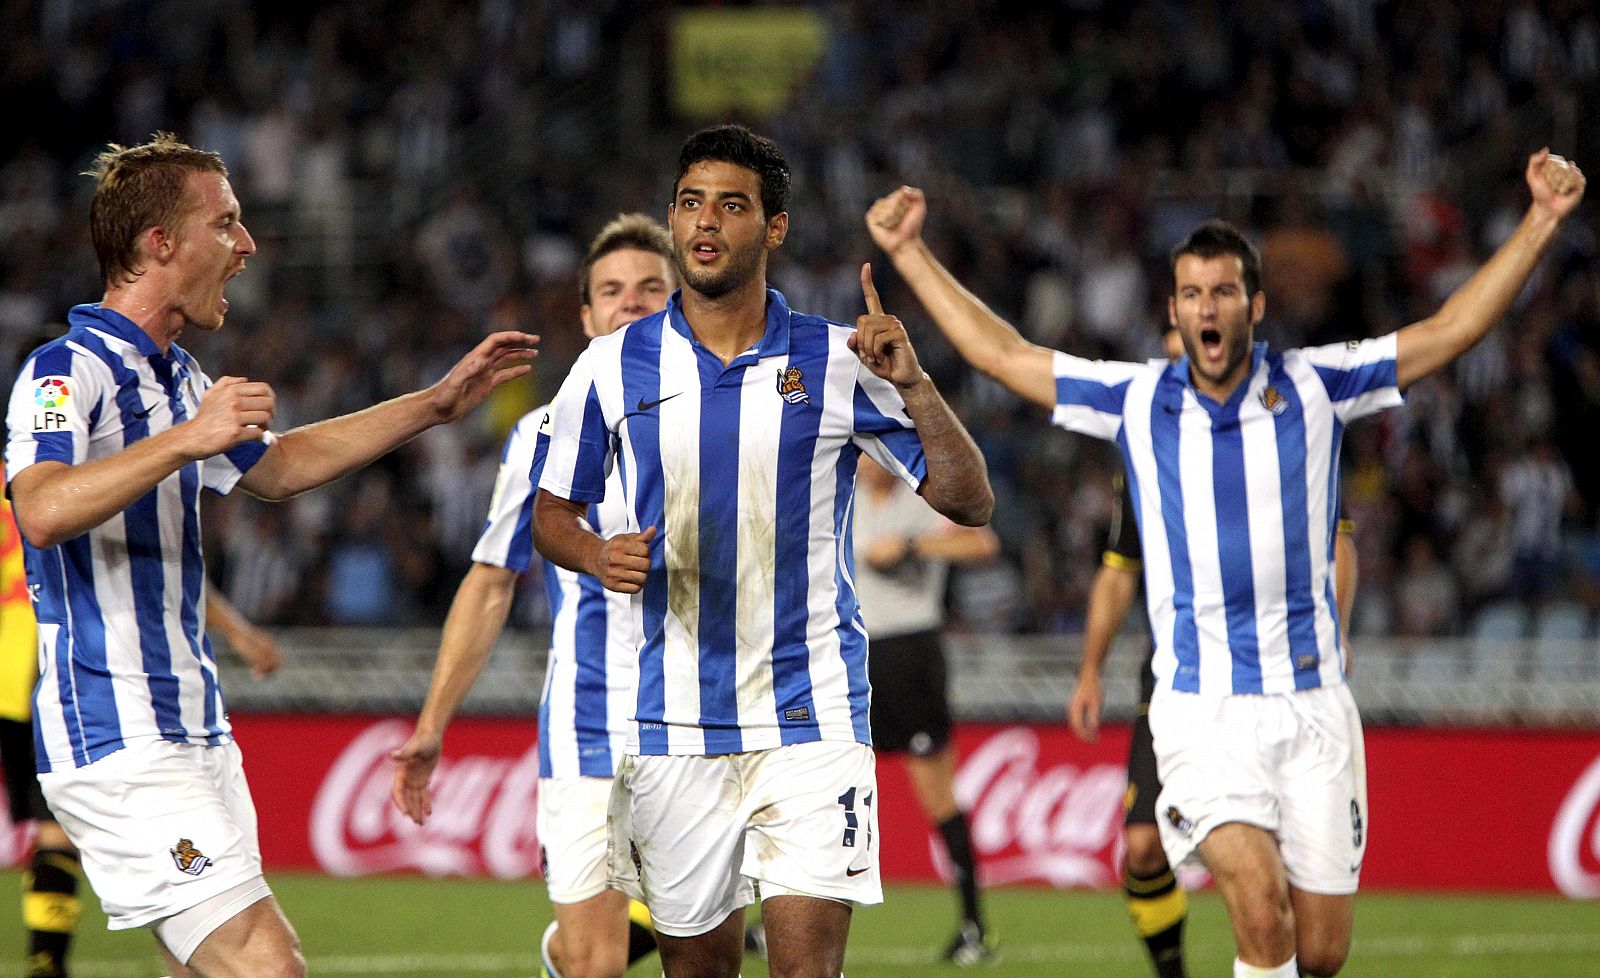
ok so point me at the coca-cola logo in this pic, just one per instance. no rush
(482, 821)
(1060, 824)
(1575, 838)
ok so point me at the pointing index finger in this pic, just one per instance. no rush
(874, 306)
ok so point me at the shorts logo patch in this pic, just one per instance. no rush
(798, 715)
(1179, 820)
(1357, 832)
(791, 387)
(638, 863)
(188, 858)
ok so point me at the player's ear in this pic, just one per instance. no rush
(777, 230)
(1258, 306)
(1172, 311)
(588, 320)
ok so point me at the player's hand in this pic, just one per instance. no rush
(414, 762)
(232, 411)
(499, 358)
(880, 341)
(258, 649)
(624, 561)
(896, 220)
(1557, 184)
(1083, 708)
(886, 553)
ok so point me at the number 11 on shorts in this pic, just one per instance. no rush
(852, 821)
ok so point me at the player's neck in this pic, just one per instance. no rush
(159, 320)
(732, 322)
(1223, 389)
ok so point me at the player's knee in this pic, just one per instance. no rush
(1322, 961)
(596, 961)
(1264, 922)
(1145, 858)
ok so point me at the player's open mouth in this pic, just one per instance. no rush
(705, 250)
(1210, 340)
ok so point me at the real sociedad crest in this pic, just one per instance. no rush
(1273, 401)
(188, 858)
(791, 388)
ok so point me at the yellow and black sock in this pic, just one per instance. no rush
(1158, 907)
(50, 910)
(641, 936)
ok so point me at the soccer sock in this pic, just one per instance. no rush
(1289, 969)
(50, 910)
(958, 842)
(1158, 907)
(547, 968)
(641, 938)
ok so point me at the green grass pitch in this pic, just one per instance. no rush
(407, 927)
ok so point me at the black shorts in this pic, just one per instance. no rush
(22, 784)
(910, 709)
(1139, 804)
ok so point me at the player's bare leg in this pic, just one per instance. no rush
(175, 968)
(714, 954)
(1323, 925)
(805, 936)
(258, 942)
(1244, 862)
(591, 937)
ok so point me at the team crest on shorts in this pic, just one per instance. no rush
(791, 387)
(188, 858)
(1179, 820)
(1273, 401)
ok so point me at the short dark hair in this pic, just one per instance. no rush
(635, 231)
(1216, 238)
(735, 144)
(137, 188)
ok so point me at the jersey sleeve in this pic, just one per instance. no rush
(220, 473)
(1360, 376)
(882, 428)
(507, 538)
(1123, 549)
(1090, 394)
(579, 448)
(55, 404)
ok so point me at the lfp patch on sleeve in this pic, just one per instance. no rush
(50, 398)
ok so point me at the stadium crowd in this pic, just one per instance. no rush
(419, 172)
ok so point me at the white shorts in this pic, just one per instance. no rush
(162, 827)
(690, 835)
(1291, 763)
(571, 815)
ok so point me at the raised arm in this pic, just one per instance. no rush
(319, 453)
(1473, 309)
(1115, 587)
(477, 617)
(986, 341)
(957, 483)
(55, 501)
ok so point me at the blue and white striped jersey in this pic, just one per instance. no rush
(123, 652)
(752, 633)
(1237, 505)
(594, 648)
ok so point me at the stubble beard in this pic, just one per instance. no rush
(742, 266)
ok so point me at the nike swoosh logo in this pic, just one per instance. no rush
(645, 406)
(848, 871)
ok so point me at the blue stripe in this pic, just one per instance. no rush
(193, 574)
(791, 610)
(1166, 410)
(519, 549)
(1230, 492)
(1304, 654)
(1343, 385)
(852, 642)
(552, 589)
(1334, 490)
(87, 694)
(591, 711)
(719, 559)
(1079, 392)
(641, 381)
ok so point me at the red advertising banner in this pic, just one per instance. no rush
(1045, 809)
